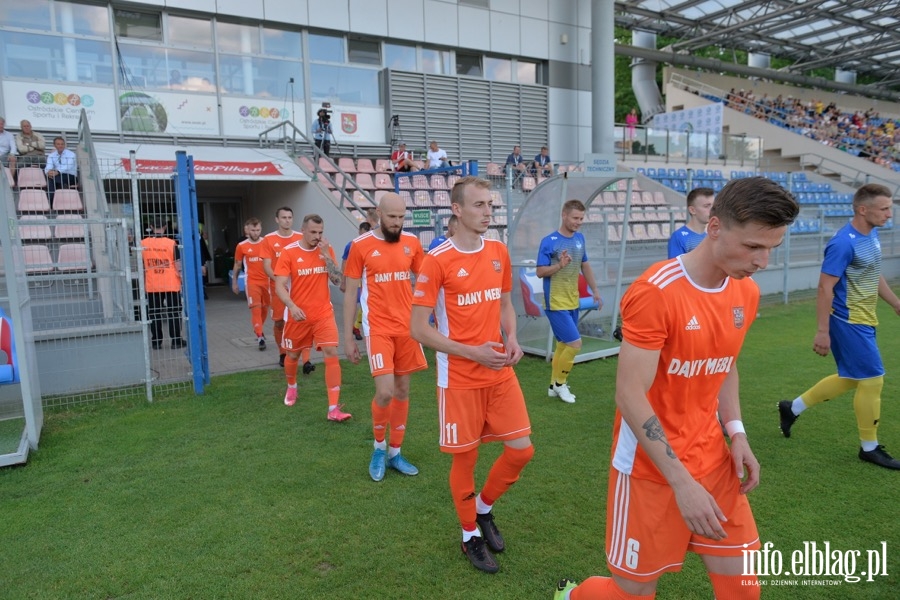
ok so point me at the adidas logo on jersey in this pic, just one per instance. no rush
(693, 324)
(462, 273)
(376, 253)
(299, 259)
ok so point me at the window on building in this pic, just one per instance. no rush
(278, 42)
(468, 64)
(497, 69)
(27, 14)
(344, 84)
(327, 48)
(54, 58)
(436, 62)
(400, 57)
(479, 3)
(185, 31)
(260, 77)
(83, 19)
(526, 72)
(233, 37)
(138, 25)
(365, 52)
(159, 68)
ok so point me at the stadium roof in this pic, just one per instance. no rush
(853, 35)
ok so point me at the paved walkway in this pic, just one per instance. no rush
(232, 344)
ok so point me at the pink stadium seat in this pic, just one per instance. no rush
(620, 198)
(326, 166)
(307, 164)
(364, 165)
(613, 233)
(405, 183)
(639, 232)
(37, 259)
(407, 198)
(528, 183)
(67, 200)
(659, 198)
(422, 198)
(383, 165)
(361, 200)
(426, 237)
(72, 258)
(420, 182)
(451, 180)
(383, 181)
(621, 185)
(496, 199)
(439, 182)
(441, 198)
(31, 177)
(70, 231)
(648, 198)
(609, 198)
(379, 194)
(346, 164)
(365, 181)
(655, 232)
(666, 230)
(636, 199)
(33, 201)
(494, 170)
(33, 232)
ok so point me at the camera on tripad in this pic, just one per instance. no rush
(324, 113)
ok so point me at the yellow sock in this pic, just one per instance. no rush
(358, 322)
(554, 374)
(828, 388)
(564, 363)
(867, 406)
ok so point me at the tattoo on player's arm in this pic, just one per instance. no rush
(655, 433)
(334, 272)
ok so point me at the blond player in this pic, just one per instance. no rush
(675, 485)
(466, 282)
(275, 242)
(382, 261)
(302, 274)
(249, 255)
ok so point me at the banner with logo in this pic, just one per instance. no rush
(175, 113)
(57, 106)
(248, 117)
(701, 119)
(354, 123)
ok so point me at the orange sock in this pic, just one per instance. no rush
(380, 417)
(462, 487)
(304, 355)
(257, 318)
(399, 413)
(333, 379)
(735, 587)
(604, 588)
(277, 333)
(290, 369)
(505, 472)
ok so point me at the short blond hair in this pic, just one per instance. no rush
(457, 195)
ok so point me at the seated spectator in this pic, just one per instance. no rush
(437, 158)
(8, 150)
(61, 169)
(31, 147)
(517, 162)
(402, 160)
(542, 166)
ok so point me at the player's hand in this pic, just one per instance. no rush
(514, 352)
(599, 301)
(822, 343)
(487, 355)
(351, 350)
(564, 259)
(742, 457)
(297, 313)
(234, 287)
(699, 510)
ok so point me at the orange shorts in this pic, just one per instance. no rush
(646, 535)
(398, 355)
(299, 335)
(277, 305)
(490, 414)
(258, 295)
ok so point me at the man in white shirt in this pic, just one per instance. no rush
(62, 167)
(437, 158)
(7, 147)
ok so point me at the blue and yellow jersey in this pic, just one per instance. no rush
(856, 259)
(684, 240)
(561, 289)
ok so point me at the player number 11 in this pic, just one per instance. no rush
(450, 429)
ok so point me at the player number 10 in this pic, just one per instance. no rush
(377, 361)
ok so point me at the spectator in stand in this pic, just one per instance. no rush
(8, 150)
(62, 168)
(517, 163)
(437, 158)
(631, 120)
(542, 166)
(31, 146)
(402, 160)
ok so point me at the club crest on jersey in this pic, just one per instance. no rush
(496, 264)
(738, 314)
(406, 250)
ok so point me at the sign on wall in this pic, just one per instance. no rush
(57, 106)
(248, 117)
(167, 112)
(353, 124)
(701, 119)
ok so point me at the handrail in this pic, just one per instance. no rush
(857, 177)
